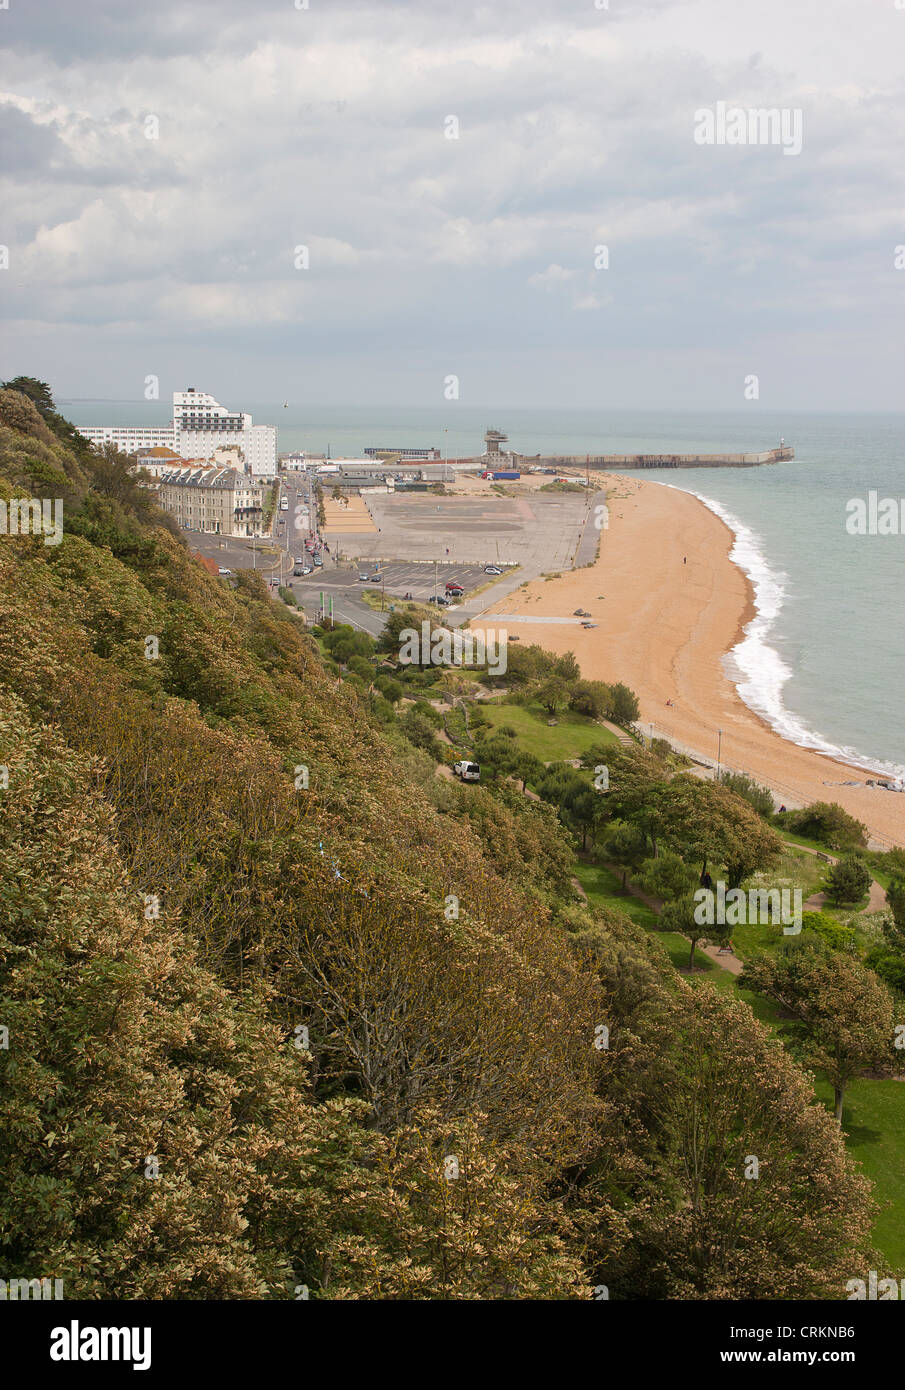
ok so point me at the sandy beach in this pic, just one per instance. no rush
(663, 627)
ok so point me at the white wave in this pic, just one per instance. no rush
(755, 668)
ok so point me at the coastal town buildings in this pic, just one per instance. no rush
(426, 455)
(157, 460)
(220, 501)
(201, 428)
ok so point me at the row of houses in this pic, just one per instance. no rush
(219, 501)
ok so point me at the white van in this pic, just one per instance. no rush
(469, 772)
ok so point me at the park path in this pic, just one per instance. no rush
(876, 901)
(625, 739)
(725, 959)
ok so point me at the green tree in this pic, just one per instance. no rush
(592, 698)
(627, 846)
(848, 880)
(709, 822)
(698, 1220)
(678, 915)
(843, 1015)
(831, 824)
(552, 694)
(527, 768)
(624, 708)
(567, 667)
(580, 806)
(761, 798)
(895, 897)
(667, 877)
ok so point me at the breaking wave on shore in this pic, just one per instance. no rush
(756, 668)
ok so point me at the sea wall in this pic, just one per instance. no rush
(665, 460)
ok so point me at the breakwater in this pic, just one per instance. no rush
(661, 460)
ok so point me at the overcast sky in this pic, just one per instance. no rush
(327, 127)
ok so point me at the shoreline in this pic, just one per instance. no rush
(670, 605)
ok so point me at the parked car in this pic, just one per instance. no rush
(224, 573)
(364, 579)
(454, 588)
(318, 560)
(299, 570)
(439, 599)
(492, 569)
(468, 771)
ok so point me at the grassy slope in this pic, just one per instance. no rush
(570, 737)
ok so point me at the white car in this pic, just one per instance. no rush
(468, 771)
(224, 574)
(492, 569)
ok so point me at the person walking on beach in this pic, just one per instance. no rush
(684, 559)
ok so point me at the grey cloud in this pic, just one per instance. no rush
(325, 128)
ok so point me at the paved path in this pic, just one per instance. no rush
(625, 739)
(876, 901)
(724, 959)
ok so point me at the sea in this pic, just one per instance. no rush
(823, 659)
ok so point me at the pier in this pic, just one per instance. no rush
(622, 461)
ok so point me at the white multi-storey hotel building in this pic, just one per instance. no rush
(200, 426)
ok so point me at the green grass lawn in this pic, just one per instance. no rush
(873, 1118)
(570, 737)
(604, 889)
(792, 837)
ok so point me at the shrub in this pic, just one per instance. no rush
(849, 880)
(761, 798)
(360, 666)
(623, 707)
(830, 823)
(835, 933)
(667, 877)
(888, 965)
(389, 688)
(592, 698)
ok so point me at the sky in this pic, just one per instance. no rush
(417, 201)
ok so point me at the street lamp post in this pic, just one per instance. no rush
(719, 753)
